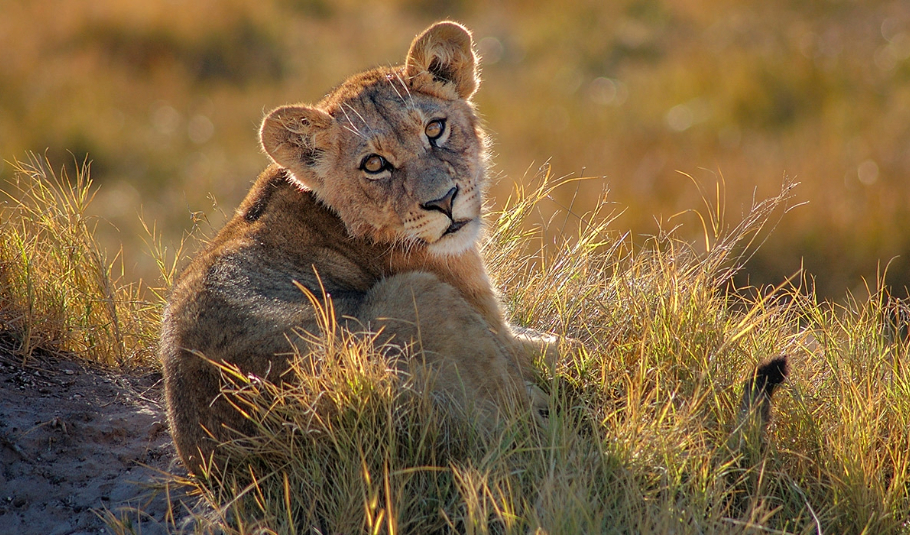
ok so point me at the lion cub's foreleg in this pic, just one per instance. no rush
(442, 333)
(536, 345)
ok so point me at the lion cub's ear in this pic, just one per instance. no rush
(441, 61)
(293, 137)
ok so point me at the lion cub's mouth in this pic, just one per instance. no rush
(456, 226)
(460, 236)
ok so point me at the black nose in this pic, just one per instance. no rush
(443, 204)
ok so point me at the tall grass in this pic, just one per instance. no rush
(60, 292)
(640, 436)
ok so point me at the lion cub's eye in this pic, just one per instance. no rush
(374, 163)
(435, 129)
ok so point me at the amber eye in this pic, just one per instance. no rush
(374, 163)
(435, 128)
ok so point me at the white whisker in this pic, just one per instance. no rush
(395, 89)
(352, 127)
(354, 131)
(364, 121)
(405, 86)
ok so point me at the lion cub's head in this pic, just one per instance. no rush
(396, 152)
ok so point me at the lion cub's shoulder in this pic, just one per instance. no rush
(280, 236)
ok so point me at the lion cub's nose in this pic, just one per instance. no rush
(443, 204)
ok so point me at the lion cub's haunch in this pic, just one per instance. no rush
(375, 195)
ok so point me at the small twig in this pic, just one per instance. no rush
(13, 446)
(54, 422)
(818, 524)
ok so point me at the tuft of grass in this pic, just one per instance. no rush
(59, 291)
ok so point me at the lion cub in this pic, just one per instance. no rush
(375, 195)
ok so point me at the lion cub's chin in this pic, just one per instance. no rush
(455, 243)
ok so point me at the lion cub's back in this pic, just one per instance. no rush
(237, 302)
(239, 296)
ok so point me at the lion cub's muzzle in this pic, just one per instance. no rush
(444, 205)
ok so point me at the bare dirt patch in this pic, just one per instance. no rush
(78, 442)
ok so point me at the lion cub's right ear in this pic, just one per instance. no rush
(441, 61)
(293, 136)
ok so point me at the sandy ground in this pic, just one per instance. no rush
(79, 442)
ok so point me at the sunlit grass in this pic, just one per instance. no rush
(641, 435)
(60, 292)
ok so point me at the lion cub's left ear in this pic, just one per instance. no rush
(442, 62)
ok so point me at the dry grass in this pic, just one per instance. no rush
(60, 292)
(641, 434)
(640, 437)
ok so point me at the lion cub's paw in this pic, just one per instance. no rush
(540, 403)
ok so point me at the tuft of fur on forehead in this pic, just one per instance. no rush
(376, 80)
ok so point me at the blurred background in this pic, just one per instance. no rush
(165, 98)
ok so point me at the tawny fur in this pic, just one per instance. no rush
(374, 242)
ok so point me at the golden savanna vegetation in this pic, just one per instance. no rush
(642, 433)
(165, 98)
(684, 118)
